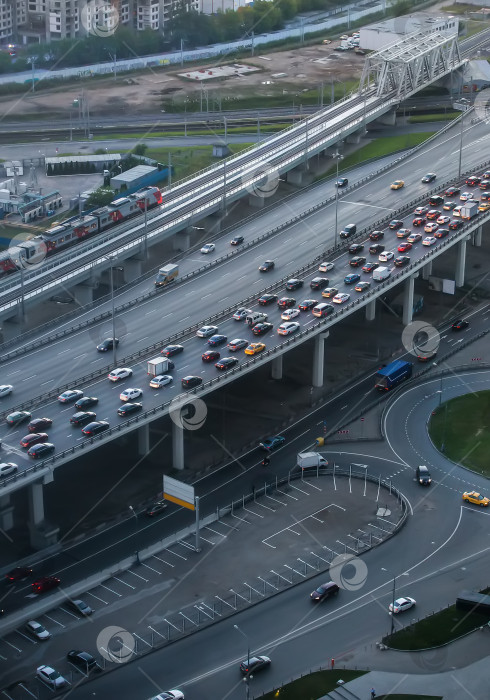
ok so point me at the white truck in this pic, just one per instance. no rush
(381, 273)
(311, 459)
(166, 274)
(469, 210)
(160, 365)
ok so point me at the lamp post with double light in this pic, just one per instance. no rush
(247, 676)
(338, 157)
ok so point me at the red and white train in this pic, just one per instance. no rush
(77, 228)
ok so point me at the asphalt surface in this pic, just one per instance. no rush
(41, 370)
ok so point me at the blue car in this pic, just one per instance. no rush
(272, 443)
(217, 340)
(352, 278)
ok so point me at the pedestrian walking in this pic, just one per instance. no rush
(373, 693)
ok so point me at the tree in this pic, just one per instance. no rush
(140, 149)
(99, 198)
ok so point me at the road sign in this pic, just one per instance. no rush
(178, 492)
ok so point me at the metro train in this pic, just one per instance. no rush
(73, 230)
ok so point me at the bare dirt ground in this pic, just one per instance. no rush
(144, 92)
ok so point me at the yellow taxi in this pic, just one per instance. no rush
(484, 206)
(476, 498)
(254, 348)
(397, 185)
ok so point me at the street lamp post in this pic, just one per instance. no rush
(113, 310)
(461, 142)
(337, 157)
(247, 676)
(393, 606)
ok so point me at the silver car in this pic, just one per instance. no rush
(51, 677)
(37, 630)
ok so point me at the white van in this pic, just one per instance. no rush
(255, 317)
(381, 273)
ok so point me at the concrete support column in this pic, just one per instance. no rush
(388, 119)
(84, 294)
(144, 440)
(276, 367)
(295, 176)
(177, 446)
(408, 300)
(477, 236)
(6, 514)
(256, 201)
(354, 137)
(460, 263)
(427, 271)
(181, 240)
(371, 310)
(132, 270)
(36, 504)
(42, 534)
(318, 359)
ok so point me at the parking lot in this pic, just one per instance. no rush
(270, 542)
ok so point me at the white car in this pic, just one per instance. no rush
(385, 256)
(401, 604)
(288, 328)
(51, 677)
(457, 210)
(37, 630)
(7, 468)
(208, 248)
(240, 313)
(290, 314)
(130, 394)
(170, 695)
(120, 373)
(429, 240)
(207, 331)
(326, 266)
(5, 390)
(464, 196)
(160, 380)
(341, 298)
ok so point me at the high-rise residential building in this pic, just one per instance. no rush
(12, 14)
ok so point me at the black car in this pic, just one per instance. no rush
(107, 344)
(436, 200)
(156, 508)
(402, 260)
(455, 224)
(255, 663)
(86, 402)
(95, 428)
(355, 248)
(266, 266)
(452, 191)
(319, 282)
(441, 233)
(293, 284)
(172, 350)
(422, 474)
(18, 574)
(266, 299)
(226, 363)
(43, 449)
(83, 417)
(370, 266)
(459, 325)
(430, 177)
(395, 224)
(307, 304)
(342, 182)
(128, 408)
(324, 591)
(80, 606)
(286, 302)
(348, 230)
(191, 381)
(376, 235)
(237, 240)
(357, 261)
(261, 328)
(376, 249)
(39, 425)
(82, 660)
(473, 180)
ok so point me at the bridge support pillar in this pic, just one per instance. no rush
(182, 240)
(427, 270)
(6, 513)
(388, 119)
(276, 367)
(177, 446)
(256, 201)
(460, 263)
(42, 534)
(371, 310)
(354, 137)
(295, 176)
(84, 294)
(318, 358)
(408, 300)
(132, 270)
(477, 236)
(144, 440)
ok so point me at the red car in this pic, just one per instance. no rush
(46, 583)
(403, 247)
(33, 439)
(39, 424)
(434, 214)
(18, 574)
(210, 356)
(419, 221)
(286, 302)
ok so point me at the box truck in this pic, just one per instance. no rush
(166, 274)
(391, 375)
(381, 273)
(469, 210)
(160, 365)
(311, 459)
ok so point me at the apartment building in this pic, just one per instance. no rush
(12, 14)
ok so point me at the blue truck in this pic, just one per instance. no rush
(391, 375)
